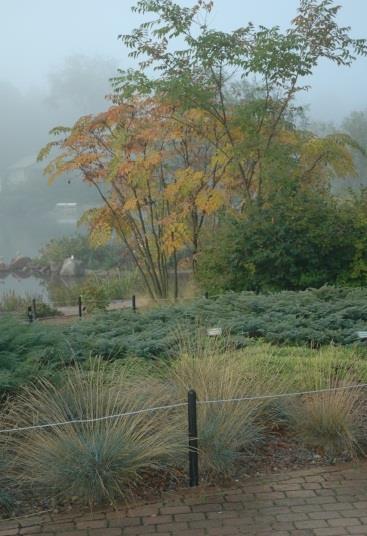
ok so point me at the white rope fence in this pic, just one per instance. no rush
(283, 395)
(95, 419)
(180, 404)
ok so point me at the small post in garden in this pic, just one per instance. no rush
(133, 303)
(193, 439)
(80, 308)
(30, 314)
(34, 310)
(206, 295)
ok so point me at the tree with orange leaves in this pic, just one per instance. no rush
(157, 179)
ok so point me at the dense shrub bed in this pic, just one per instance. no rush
(313, 317)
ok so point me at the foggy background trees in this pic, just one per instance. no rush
(28, 213)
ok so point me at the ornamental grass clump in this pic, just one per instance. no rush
(218, 373)
(7, 499)
(332, 421)
(93, 461)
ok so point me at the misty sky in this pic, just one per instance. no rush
(37, 35)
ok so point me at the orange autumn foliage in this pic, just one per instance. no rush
(157, 178)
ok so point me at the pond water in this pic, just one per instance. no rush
(32, 286)
(55, 290)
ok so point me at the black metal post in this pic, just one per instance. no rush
(193, 439)
(80, 306)
(133, 302)
(206, 295)
(30, 314)
(34, 310)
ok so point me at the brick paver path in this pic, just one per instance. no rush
(329, 501)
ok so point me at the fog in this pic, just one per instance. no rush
(56, 61)
(28, 206)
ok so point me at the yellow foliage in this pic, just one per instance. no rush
(210, 201)
(100, 227)
(325, 156)
(288, 137)
(100, 234)
(187, 181)
(130, 204)
(176, 235)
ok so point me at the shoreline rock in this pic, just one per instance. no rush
(20, 264)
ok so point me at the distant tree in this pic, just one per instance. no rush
(357, 274)
(22, 126)
(104, 257)
(356, 125)
(79, 85)
(76, 87)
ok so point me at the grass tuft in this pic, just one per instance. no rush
(333, 422)
(217, 372)
(97, 461)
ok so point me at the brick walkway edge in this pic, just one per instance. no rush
(322, 501)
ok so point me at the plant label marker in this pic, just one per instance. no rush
(362, 335)
(214, 332)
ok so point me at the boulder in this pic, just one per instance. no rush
(72, 268)
(20, 264)
(3, 266)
